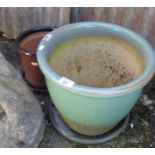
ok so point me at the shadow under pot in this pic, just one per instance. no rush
(27, 44)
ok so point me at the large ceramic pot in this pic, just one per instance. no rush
(90, 110)
(27, 43)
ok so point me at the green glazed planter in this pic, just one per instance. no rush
(89, 110)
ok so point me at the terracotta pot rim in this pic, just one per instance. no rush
(28, 32)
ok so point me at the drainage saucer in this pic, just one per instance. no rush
(68, 133)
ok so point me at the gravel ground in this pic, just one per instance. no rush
(140, 131)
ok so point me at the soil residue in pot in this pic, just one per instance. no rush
(97, 61)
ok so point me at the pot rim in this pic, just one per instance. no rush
(40, 28)
(78, 88)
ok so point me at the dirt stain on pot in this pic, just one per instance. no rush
(97, 61)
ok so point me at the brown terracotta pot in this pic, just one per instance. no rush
(27, 44)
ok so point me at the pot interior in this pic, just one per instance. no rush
(31, 42)
(97, 61)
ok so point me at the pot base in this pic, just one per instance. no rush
(68, 133)
(34, 89)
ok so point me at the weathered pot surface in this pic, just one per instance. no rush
(87, 109)
(28, 42)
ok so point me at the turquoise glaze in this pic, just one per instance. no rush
(88, 110)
